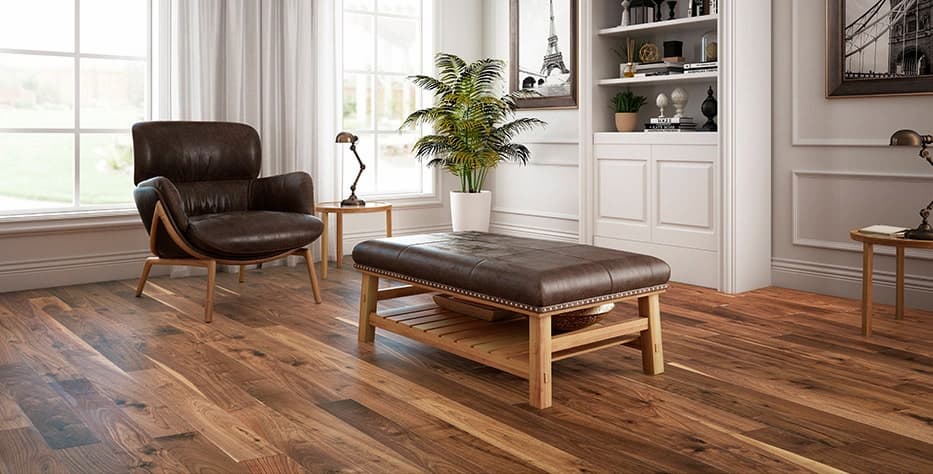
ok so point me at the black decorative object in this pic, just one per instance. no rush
(913, 139)
(347, 137)
(658, 16)
(710, 109)
(671, 4)
(673, 49)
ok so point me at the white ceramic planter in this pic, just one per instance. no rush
(470, 211)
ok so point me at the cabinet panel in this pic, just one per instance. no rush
(623, 191)
(686, 196)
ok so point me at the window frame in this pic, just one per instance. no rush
(429, 41)
(156, 16)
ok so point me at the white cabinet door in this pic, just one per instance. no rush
(686, 196)
(623, 198)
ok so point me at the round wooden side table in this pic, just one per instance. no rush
(328, 208)
(869, 241)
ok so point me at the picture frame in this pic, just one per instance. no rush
(534, 56)
(901, 68)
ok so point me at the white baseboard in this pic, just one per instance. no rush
(533, 232)
(846, 282)
(50, 272)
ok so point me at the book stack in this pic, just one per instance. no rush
(671, 125)
(662, 68)
(694, 68)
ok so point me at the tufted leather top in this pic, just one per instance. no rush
(205, 176)
(539, 275)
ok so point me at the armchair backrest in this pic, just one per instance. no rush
(196, 151)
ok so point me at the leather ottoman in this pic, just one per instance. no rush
(536, 279)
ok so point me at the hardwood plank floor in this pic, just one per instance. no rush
(95, 380)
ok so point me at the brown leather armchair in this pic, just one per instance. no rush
(202, 202)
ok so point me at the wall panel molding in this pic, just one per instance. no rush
(535, 213)
(847, 244)
(57, 271)
(797, 139)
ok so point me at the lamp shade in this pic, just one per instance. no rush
(346, 137)
(906, 138)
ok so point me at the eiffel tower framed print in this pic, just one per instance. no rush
(543, 50)
(879, 47)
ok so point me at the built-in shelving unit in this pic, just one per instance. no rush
(704, 77)
(698, 200)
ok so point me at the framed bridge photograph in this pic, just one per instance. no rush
(879, 47)
(543, 52)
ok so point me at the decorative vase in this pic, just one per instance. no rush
(626, 121)
(679, 97)
(709, 108)
(671, 4)
(662, 101)
(658, 16)
(625, 13)
(627, 70)
(470, 211)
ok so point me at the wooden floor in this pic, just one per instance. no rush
(95, 380)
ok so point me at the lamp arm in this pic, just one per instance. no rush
(362, 167)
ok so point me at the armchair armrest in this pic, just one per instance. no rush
(290, 192)
(160, 189)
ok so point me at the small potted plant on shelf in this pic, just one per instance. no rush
(626, 105)
(470, 132)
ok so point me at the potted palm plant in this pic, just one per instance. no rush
(471, 132)
(626, 105)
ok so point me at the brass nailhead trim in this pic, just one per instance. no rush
(496, 299)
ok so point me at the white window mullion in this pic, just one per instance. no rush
(76, 200)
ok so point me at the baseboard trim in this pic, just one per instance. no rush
(60, 271)
(845, 281)
(534, 232)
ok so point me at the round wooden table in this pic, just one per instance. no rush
(328, 208)
(869, 241)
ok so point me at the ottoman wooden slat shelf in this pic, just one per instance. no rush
(538, 280)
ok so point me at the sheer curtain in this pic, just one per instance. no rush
(249, 61)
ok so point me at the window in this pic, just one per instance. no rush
(384, 41)
(74, 76)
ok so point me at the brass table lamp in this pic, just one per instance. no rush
(914, 139)
(347, 137)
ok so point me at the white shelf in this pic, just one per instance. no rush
(642, 138)
(662, 26)
(679, 78)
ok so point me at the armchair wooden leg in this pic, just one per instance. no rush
(242, 273)
(211, 282)
(315, 288)
(145, 276)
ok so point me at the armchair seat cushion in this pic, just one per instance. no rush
(252, 234)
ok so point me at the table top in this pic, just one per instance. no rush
(370, 206)
(892, 241)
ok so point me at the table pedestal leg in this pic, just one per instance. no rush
(867, 269)
(389, 222)
(324, 243)
(339, 239)
(899, 314)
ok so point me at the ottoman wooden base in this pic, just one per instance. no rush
(523, 346)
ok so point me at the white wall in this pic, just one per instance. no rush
(41, 254)
(826, 179)
(542, 199)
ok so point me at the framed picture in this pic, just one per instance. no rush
(544, 52)
(879, 47)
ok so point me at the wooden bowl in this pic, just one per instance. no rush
(575, 320)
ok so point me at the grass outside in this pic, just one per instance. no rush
(41, 167)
